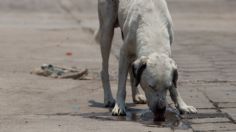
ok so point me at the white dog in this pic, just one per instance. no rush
(146, 28)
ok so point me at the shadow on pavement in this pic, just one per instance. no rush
(94, 103)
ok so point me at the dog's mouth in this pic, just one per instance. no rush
(159, 114)
(159, 117)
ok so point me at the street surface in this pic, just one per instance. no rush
(34, 32)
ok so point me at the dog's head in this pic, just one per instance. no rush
(156, 74)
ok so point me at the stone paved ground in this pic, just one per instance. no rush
(205, 52)
(34, 32)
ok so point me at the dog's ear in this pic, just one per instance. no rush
(138, 67)
(175, 75)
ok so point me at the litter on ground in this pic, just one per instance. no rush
(49, 70)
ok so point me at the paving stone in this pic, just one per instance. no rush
(192, 96)
(207, 110)
(209, 120)
(219, 92)
(214, 127)
(231, 112)
(227, 105)
(188, 130)
(204, 115)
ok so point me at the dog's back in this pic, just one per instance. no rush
(147, 20)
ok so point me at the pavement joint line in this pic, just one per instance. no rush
(68, 11)
(227, 107)
(213, 122)
(233, 84)
(64, 6)
(204, 115)
(230, 118)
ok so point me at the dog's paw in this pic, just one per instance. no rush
(139, 99)
(109, 103)
(188, 110)
(118, 111)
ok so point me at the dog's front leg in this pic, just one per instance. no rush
(138, 98)
(179, 103)
(119, 109)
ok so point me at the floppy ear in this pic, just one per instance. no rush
(137, 68)
(175, 73)
(175, 78)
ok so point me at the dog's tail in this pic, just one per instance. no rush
(97, 36)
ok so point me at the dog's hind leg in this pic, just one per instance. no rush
(108, 18)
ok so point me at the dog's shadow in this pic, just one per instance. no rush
(133, 114)
(93, 103)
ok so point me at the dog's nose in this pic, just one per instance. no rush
(159, 113)
(159, 110)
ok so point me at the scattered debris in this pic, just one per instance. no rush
(49, 70)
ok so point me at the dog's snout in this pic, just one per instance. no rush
(159, 110)
(159, 95)
(159, 113)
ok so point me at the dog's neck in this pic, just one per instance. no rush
(152, 40)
